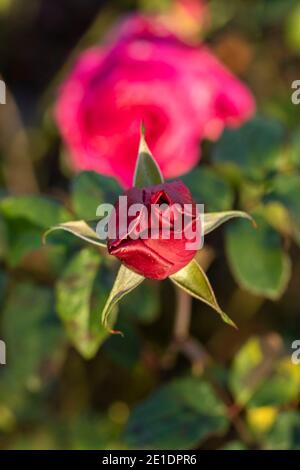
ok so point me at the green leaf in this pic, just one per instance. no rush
(23, 244)
(178, 416)
(261, 376)
(26, 218)
(147, 172)
(22, 238)
(282, 388)
(3, 238)
(194, 281)
(40, 211)
(209, 189)
(234, 445)
(89, 190)
(25, 238)
(73, 303)
(257, 259)
(125, 282)
(86, 230)
(292, 29)
(92, 432)
(34, 340)
(285, 190)
(254, 147)
(251, 366)
(213, 220)
(294, 153)
(285, 433)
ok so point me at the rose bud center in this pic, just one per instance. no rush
(157, 232)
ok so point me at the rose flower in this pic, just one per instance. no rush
(144, 72)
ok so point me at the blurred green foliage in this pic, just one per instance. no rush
(67, 383)
(177, 416)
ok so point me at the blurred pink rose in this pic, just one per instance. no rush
(144, 73)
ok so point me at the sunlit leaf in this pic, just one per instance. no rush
(247, 372)
(292, 30)
(261, 376)
(73, 293)
(277, 215)
(282, 388)
(147, 172)
(125, 282)
(285, 190)
(194, 281)
(86, 230)
(257, 259)
(212, 220)
(178, 416)
(3, 238)
(234, 445)
(260, 419)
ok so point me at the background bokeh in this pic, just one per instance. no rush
(67, 383)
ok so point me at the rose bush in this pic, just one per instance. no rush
(155, 229)
(145, 73)
(161, 252)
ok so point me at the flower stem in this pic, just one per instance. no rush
(182, 340)
(183, 315)
(184, 300)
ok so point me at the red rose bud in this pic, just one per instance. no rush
(155, 231)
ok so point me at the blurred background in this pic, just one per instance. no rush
(174, 381)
